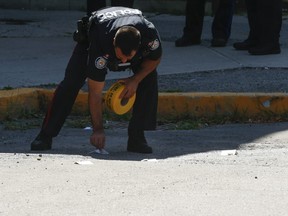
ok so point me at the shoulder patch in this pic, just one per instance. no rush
(101, 62)
(153, 45)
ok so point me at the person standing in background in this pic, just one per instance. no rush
(124, 3)
(221, 26)
(265, 21)
(94, 5)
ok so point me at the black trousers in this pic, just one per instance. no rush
(265, 21)
(144, 112)
(93, 5)
(221, 26)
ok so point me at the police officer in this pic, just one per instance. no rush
(118, 38)
(265, 21)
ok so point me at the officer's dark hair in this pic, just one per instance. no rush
(127, 38)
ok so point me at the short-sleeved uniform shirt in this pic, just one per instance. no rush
(103, 27)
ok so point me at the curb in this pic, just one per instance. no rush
(236, 106)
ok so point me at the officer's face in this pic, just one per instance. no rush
(124, 58)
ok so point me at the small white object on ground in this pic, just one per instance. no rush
(229, 152)
(87, 128)
(99, 151)
(84, 162)
(149, 160)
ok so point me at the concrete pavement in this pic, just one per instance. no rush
(231, 169)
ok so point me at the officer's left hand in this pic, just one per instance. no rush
(130, 89)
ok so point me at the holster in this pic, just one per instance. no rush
(81, 34)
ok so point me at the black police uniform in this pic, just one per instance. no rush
(94, 57)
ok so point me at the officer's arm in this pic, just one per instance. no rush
(146, 67)
(95, 104)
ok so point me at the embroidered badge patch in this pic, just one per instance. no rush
(154, 44)
(100, 62)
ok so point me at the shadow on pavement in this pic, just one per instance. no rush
(166, 143)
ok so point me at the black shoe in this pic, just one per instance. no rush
(137, 143)
(184, 41)
(244, 45)
(41, 143)
(265, 50)
(218, 42)
(138, 147)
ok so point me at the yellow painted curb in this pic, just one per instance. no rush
(14, 103)
(249, 105)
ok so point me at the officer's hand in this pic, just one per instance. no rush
(97, 139)
(130, 87)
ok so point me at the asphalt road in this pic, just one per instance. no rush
(218, 170)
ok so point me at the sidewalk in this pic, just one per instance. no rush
(38, 51)
(35, 47)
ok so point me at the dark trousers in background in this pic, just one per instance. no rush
(221, 26)
(93, 5)
(265, 21)
(145, 107)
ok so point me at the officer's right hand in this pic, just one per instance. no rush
(97, 139)
(130, 88)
